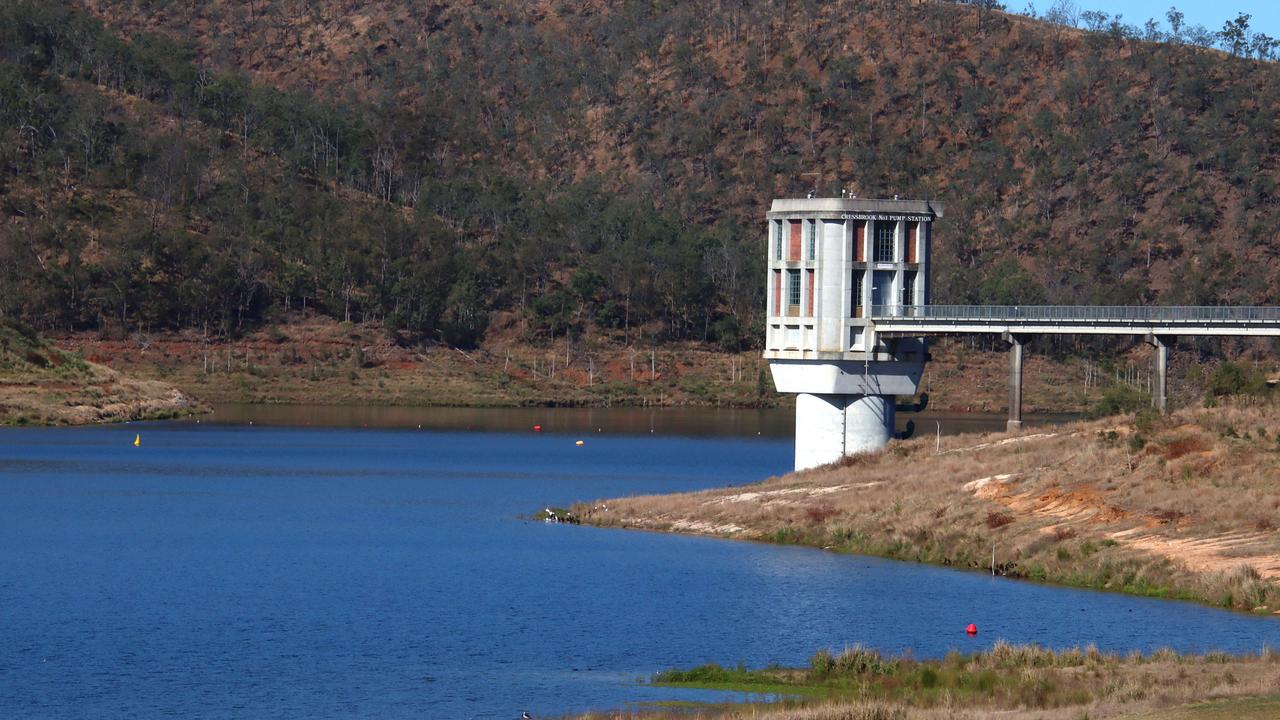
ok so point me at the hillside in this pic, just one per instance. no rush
(1123, 151)
(42, 384)
(602, 166)
(1183, 506)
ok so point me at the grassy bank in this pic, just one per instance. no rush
(1183, 506)
(316, 360)
(41, 384)
(1007, 681)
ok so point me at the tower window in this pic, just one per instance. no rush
(858, 279)
(777, 241)
(884, 242)
(812, 240)
(793, 289)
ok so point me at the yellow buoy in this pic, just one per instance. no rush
(137, 440)
(580, 443)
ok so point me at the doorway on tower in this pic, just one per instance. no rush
(882, 290)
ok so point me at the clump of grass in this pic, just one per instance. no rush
(857, 661)
(713, 674)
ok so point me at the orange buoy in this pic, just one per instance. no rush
(972, 629)
(537, 428)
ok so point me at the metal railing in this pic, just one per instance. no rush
(1137, 314)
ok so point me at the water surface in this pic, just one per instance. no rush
(222, 571)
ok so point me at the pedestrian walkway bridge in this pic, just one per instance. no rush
(916, 320)
(1017, 324)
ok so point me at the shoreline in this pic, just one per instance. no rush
(1062, 507)
(310, 359)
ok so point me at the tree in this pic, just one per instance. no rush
(1095, 20)
(1175, 18)
(1009, 284)
(1234, 35)
(1264, 46)
(1063, 12)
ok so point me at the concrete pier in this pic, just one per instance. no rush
(1015, 381)
(1159, 386)
(828, 427)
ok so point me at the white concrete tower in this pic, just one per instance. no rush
(834, 263)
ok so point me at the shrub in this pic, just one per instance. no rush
(728, 334)
(24, 330)
(998, 519)
(1145, 419)
(822, 663)
(36, 358)
(1231, 378)
(1119, 399)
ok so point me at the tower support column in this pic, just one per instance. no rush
(828, 427)
(868, 422)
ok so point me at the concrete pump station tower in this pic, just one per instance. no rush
(834, 263)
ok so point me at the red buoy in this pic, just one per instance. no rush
(972, 629)
(537, 428)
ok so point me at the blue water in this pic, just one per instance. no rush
(248, 572)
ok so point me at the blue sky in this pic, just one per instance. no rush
(1209, 13)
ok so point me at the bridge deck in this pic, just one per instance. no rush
(1075, 319)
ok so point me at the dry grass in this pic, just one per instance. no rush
(317, 360)
(1183, 506)
(1017, 682)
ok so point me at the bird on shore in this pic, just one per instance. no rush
(525, 715)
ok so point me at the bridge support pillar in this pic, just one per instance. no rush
(1159, 386)
(1015, 380)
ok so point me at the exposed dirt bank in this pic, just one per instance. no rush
(44, 385)
(318, 360)
(1184, 506)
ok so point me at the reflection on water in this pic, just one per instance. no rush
(682, 421)
(709, 422)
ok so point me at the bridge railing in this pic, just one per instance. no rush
(1141, 314)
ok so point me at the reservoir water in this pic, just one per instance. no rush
(232, 571)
